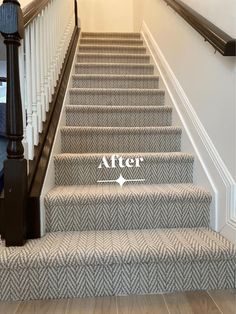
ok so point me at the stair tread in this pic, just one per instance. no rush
(62, 249)
(175, 191)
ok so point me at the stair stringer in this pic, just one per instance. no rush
(210, 170)
(49, 181)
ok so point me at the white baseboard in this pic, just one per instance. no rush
(208, 161)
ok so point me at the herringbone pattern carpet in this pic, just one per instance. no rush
(125, 215)
(81, 264)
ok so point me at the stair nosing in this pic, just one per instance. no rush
(118, 76)
(146, 65)
(112, 46)
(130, 90)
(79, 53)
(147, 128)
(137, 190)
(149, 154)
(117, 108)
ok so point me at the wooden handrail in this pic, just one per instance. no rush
(33, 9)
(221, 41)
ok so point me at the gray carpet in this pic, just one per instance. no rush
(125, 215)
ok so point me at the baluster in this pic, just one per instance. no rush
(38, 73)
(49, 53)
(29, 126)
(46, 58)
(22, 88)
(42, 73)
(33, 80)
(54, 48)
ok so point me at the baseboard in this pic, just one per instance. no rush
(220, 181)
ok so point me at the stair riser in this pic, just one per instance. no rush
(113, 59)
(112, 49)
(85, 171)
(126, 212)
(118, 118)
(74, 141)
(109, 42)
(109, 82)
(109, 280)
(116, 97)
(114, 69)
(111, 35)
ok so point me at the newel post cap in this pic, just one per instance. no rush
(11, 19)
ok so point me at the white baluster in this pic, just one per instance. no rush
(42, 73)
(29, 125)
(22, 89)
(38, 73)
(42, 55)
(46, 59)
(33, 79)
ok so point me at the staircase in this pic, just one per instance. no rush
(144, 231)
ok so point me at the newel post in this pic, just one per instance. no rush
(15, 167)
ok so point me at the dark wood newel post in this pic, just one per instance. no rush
(15, 167)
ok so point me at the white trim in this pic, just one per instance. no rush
(218, 176)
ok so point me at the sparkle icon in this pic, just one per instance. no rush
(121, 180)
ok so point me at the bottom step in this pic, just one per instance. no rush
(83, 264)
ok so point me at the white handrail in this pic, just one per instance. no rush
(41, 58)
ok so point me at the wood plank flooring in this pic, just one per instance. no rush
(198, 302)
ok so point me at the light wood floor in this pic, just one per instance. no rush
(200, 302)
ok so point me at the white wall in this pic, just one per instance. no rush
(202, 85)
(106, 15)
(222, 13)
(3, 70)
(208, 79)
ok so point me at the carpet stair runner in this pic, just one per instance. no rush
(148, 230)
